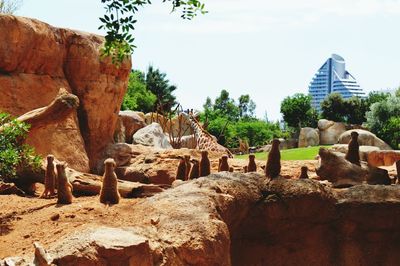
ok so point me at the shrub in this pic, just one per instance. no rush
(14, 154)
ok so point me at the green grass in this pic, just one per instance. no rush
(308, 153)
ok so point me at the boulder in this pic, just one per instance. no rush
(329, 131)
(36, 61)
(308, 137)
(131, 123)
(364, 150)
(152, 135)
(383, 158)
(342, 173)
(102, 246)
(288, 144)
(365, 138)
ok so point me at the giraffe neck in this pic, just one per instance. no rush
(198, 131)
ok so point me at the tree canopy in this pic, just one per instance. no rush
(297, 111)
(120, 19)
(9, 6)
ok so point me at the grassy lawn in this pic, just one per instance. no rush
(308, 153)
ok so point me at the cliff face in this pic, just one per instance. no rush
(37, 59)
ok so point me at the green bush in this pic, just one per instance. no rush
(384, 118)
(14, 154)
(256, 132)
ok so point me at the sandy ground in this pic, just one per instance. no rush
(25, 220)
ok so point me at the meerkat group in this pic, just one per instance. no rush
(59, 181)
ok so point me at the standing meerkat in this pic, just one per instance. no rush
(181, 171)
(205, 166)
(109, 190)
(188, 166)
(252, 166)
(353, 154)
(224, 166)
(49, 178)
(64, 192)
(304, 172)
(273, 167)
(195, 170)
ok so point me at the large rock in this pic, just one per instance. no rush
(38, 59)
(383, 158)
(102, 246)
(129, 122)
(365, 138)
(244, 219)
(364, 150)
(342, 173)
(330, 131)
(308, 137)
(152, 135)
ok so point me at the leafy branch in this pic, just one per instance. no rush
(119, 20)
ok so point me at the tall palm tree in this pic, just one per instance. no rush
(158, 84)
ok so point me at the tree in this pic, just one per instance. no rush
(355, 109)
(158, 84)
(397, 92)
(376, 96)
(9, 6)
(333, 108)
(246, 106)
(226, 107)
(383, 120)
(138, 97)
(120, 19)
(298, 112)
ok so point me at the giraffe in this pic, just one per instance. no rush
(204, 140)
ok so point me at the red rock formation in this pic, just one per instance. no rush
(36, 60)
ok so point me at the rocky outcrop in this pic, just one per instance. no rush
(102, 246)
(36, 60)
(342, 173)
(308, 137)
(330, 131)
(244, 219)
(383, 158)
(364, 150)
(365, 138)
(153, 136)
(129, 122)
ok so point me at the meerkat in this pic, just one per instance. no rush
(231, 170)
(398, 172)
(205, 166)
(109, 190)
(273, 167)
(195, 170)
(181, 171)
(49, 178)
(64, 192)
(252, 166)
(188, 166)
(245, 169)
(353, 154)
(304, 172)
(224, 166)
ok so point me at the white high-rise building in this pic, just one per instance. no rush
(333, 77)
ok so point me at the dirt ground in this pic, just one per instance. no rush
(24, 220)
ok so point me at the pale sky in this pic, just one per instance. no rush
(267, 49)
